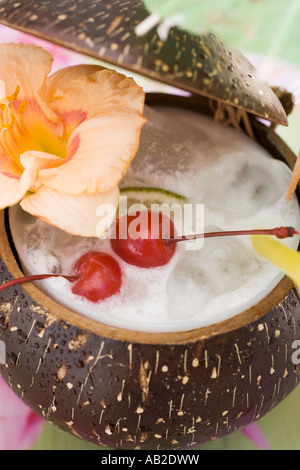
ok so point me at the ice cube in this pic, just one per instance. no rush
(166, 153)
(37, 235)
(53, 264)
(189, 290)
(227, 262)
(201, 276)
(242, 186)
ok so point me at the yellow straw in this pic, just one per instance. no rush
(287, 259)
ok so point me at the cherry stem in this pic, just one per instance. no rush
(39, 277)
(281, 233)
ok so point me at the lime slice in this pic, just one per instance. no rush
(149, 198)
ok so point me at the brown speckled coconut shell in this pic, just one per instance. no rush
(137, 390)
(105, 29)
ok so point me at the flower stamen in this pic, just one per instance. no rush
(11, 121)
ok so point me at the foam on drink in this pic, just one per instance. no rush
(242, 188)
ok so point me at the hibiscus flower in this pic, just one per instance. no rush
(65, 140)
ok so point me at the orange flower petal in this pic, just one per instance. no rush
(89, 91)
(8, 166)
(73, 214)
(27, 66)
(94, 89)
(14, 187)
(2, 90)
(62, 77)
(99, 154)
(12, 190)
(33, 162)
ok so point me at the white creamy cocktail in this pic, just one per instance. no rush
(241, 186)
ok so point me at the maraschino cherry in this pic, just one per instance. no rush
(100, 276)
(139, 239)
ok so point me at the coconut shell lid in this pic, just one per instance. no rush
(105, 29)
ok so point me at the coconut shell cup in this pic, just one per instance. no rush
(134, 390)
